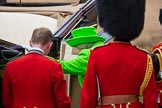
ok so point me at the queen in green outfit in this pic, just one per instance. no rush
(84, 38)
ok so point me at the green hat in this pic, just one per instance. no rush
(84, 35)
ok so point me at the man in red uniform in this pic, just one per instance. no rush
(119, 72)
(33, 80)
(157, 61)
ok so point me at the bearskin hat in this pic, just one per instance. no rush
(123, 19)
(160, 16)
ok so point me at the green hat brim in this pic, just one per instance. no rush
(73, 42)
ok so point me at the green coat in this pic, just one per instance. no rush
(77, 66)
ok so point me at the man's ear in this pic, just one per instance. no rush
(51, 43)
(47, 47)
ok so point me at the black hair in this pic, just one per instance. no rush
(160, 16)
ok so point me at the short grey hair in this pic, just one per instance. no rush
(41, 36)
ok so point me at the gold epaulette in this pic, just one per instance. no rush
(158, 55)
(157, 49)
(147, 76)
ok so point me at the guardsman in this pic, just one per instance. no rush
(119, 73)
(157, 61)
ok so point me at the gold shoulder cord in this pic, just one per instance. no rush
(147, 75)
(160, 65)
(159, 59)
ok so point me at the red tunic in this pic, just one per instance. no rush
(34, 81)
(120, 68)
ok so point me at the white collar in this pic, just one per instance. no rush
(36, 48)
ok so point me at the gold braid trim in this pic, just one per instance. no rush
(159, 54)
(160, 64)
(159, 59)
(147, 75)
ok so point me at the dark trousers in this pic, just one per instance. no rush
(1, 104)
(159, 105)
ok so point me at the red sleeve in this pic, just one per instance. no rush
(89, 89)
(7, 92)
(59, 88)
(150, 94)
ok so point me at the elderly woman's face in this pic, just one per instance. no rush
(85, 46)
